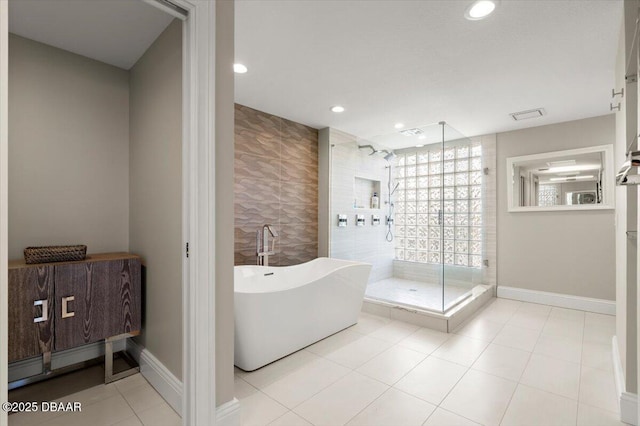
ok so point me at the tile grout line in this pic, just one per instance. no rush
(470, 367)
(525, 368)
(352, 371)
(127, 401)
(367, 406)
(439, 405)
(140, 386)
(451, 412)
(284, 414)
(398, 345)
(409, 371)
(372, 378)
(313, 395)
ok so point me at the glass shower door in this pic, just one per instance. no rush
(420, 217)
(462, 203)
(429, 181)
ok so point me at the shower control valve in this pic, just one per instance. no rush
(342, 220)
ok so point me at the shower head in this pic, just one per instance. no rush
(373, 150)
(388, 154)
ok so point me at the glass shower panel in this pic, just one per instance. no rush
(418, 206)
(424, 235)
(463, 216)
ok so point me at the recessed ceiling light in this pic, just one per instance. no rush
(399, 125)
(419, 146)
(479, 10)
(422, 137)
(337, 108)
(239, 68)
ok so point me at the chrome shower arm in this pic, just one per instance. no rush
(373, 150)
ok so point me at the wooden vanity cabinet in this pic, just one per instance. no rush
(87, 301)
(30, 307)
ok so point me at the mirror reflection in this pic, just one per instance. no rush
(570, 180)
(564, 180)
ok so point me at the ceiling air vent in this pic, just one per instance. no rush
(412, 132)
(523, 115)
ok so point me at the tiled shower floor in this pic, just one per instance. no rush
(415, 293)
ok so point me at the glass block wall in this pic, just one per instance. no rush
(548, 195)
(438, 208)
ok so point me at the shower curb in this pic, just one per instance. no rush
(444, 322)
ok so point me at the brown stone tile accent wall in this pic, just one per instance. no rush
(276, 182)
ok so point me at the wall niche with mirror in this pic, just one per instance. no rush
(576, 179)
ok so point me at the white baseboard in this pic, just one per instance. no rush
(33, 366)
(599, 306)
(170, 388)
(618, 374)
(629, 408)
(228, 414)
(162, 380)
(628, 401)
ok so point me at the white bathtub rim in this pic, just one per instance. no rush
(344, 264)
(272, 324)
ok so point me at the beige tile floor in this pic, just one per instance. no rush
(513, 363)
(128, 402)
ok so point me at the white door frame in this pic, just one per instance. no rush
(198, 289)
(4, 197)
(198, 207)
(198, 296)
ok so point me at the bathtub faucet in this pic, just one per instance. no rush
(262, 247)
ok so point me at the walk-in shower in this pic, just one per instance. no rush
(437, 192)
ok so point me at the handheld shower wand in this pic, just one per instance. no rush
(394, 188)
(389, 236)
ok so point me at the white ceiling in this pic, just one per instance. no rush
(117, 32)
(420, 62)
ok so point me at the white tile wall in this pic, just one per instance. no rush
(368, 243)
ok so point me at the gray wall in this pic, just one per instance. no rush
(155, 214)
(224, 125)
(567, 252)
(68, 150)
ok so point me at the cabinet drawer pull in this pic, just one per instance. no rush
(45, 312)
(65, 312)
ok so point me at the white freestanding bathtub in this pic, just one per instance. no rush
(279, 310)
